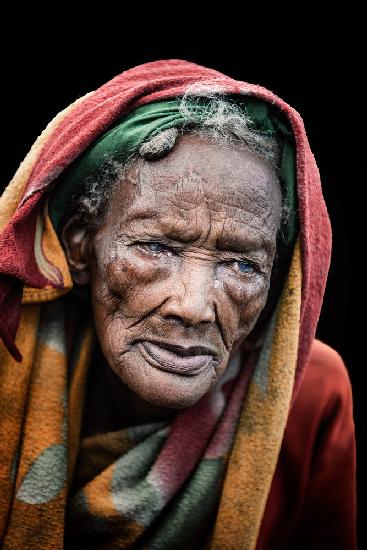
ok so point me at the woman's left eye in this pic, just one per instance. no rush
(245, 267)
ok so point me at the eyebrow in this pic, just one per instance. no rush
(141, 214)
(245, 243)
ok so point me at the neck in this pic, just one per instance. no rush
(110, 405)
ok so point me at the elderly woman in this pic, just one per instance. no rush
(164, 253)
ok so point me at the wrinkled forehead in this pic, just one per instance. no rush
(201, 171)
(199, 183)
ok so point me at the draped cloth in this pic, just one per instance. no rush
(201, 480)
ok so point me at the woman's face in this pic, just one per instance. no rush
(180, 267)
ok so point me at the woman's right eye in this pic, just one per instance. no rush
(156, 248)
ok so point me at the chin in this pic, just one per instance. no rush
(175, 402)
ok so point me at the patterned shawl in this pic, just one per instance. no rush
(200, 481)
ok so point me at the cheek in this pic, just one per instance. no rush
(246, 299)
(132, 277)
(127, 271)
(127, 289)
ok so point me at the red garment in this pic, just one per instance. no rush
(312, 501)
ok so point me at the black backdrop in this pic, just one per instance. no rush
(41, 79)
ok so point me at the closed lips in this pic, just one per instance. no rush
(177, 359)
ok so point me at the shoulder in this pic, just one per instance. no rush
(326, 376)
(324, 356)
(324, 402)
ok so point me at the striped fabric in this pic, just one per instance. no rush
(204, 478)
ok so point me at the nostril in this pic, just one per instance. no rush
(184, 321)
(175, 319)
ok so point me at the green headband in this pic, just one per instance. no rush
(128, 133)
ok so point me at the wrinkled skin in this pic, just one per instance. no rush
(179, 271)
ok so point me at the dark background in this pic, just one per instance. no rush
(41, 79)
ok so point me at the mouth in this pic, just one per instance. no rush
(177, 359)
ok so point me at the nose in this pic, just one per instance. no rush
(192, 300)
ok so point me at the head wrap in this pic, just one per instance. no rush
(125, 137)
(207, 477)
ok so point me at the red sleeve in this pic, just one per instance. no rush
(312, 502)
(329, 513)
